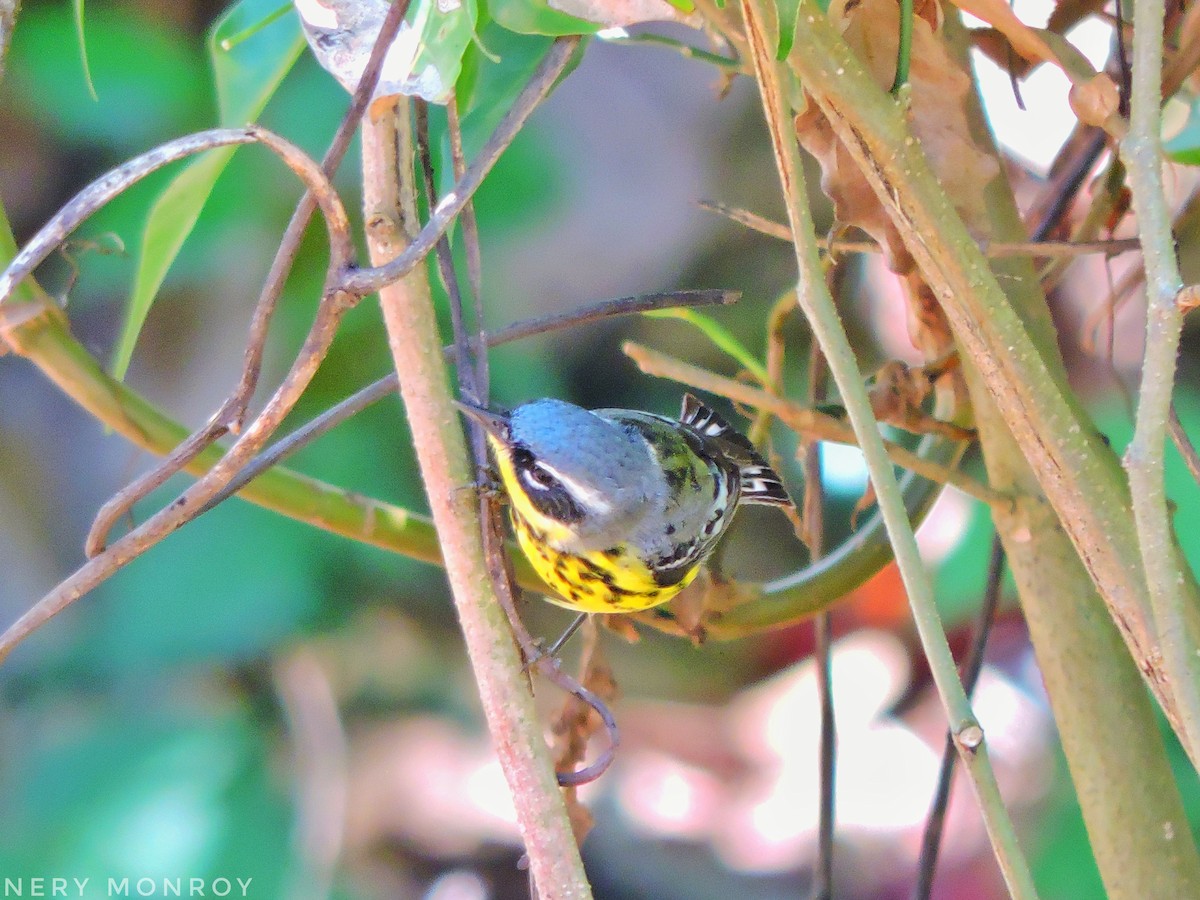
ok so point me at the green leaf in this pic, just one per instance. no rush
(495, 69)
(77, 6)
(719, 335)
(789, 17)
(537, 17)
(444, 38)
(252, 48)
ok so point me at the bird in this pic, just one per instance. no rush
(616, 509)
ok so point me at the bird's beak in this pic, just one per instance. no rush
(495, 424)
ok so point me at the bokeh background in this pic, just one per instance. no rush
(255, 699)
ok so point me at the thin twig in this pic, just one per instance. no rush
(997, 250)
(387, 385)
(827, 327)
(1065, 183)
(548, 666)
(784, 307)
(1122, 61)
(364, 281)
(1144, 460)
(107, 186)
(814, 526)
(463, 351)
(1184, 445)
(809, 423)
(932, 838)
(499, 562)
(469, 387)
(329, 314)
(231, 415)
(469, 226)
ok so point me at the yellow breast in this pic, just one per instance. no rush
(609, 581)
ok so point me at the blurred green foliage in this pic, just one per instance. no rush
(144, 789)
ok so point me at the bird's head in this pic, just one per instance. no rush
(569, 471)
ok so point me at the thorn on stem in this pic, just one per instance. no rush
(969, 738)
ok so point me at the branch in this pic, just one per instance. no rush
(1144, 461)
(387, 385)
(814, 530)
(447, 475)
(1017, 361)
(827, 327)
(366, 281)
(993, 250)
(932, 838)
(120, 179)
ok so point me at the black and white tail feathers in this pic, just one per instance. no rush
(759, 482)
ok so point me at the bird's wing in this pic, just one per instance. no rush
(759, 482)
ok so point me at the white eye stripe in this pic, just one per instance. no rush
(539, 477)
(585, 495)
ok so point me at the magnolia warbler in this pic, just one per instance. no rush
(616, 509)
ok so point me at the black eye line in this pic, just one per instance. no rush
(552, 500)
(532, 471)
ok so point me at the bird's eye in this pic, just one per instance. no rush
(539, 477)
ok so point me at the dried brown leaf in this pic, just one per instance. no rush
(936, 113)
(578, 720)
(898, 393)
(623, 626)
(1069, 13)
